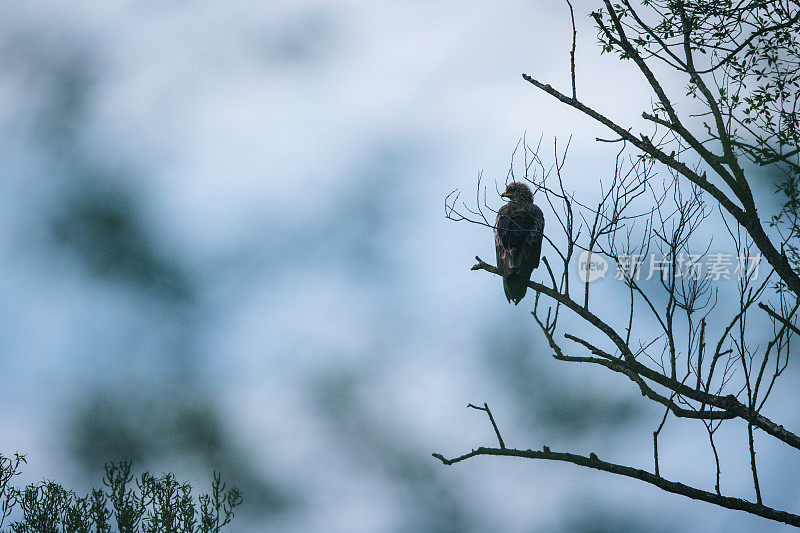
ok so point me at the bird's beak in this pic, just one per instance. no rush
(504, 195)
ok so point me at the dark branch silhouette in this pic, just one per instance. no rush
(697, 360)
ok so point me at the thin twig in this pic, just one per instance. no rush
(572, 52)
(779, 318)
(491, 419)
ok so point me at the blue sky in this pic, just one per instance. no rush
(223, 245)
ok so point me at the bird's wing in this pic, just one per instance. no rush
(503, 255)
(512, 225)
(511, 236)
(535, 236)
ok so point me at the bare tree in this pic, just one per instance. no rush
(701, 361)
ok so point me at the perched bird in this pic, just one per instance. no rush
(518, 234)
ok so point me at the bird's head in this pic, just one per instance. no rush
(519, 192)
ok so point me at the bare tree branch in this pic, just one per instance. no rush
(727, 403)
(741, 63)
(592, 461)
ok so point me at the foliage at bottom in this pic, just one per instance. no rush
(125, 504)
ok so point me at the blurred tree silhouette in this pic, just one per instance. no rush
(428, 503)
(539, 391)
(101, 225)
(148, 402)
(172, 426)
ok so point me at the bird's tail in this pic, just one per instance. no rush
(515, 288)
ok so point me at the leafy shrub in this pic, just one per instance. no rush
(148, 504)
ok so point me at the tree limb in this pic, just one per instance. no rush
(727, 403)
(747, 219)
(592, 461)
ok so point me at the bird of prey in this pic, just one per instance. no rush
(518, 234)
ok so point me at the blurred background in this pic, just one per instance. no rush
(223, 247)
